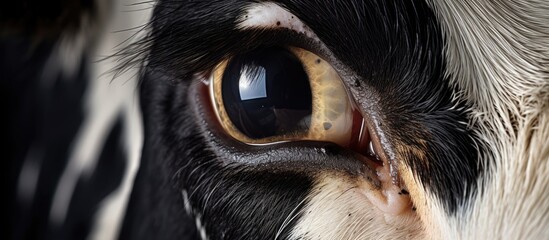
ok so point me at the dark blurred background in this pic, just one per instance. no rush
(55, 77)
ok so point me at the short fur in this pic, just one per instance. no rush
(457, 90)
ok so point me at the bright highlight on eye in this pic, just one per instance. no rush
(281, 94)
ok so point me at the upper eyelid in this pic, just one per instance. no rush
(182, 57)
(284, 38)
(253, 41)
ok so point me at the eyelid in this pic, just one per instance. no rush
(257, 38)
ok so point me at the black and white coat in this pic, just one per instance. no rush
(108, 136)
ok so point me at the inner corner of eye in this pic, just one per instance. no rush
(281, 94)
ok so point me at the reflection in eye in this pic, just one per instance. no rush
(267, 94)
(278, 94)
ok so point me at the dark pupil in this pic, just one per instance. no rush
(267, 93)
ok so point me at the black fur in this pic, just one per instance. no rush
(232, 201)
(389, 52)
(394, 52)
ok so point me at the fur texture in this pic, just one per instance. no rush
(456, 91)
(497, 57)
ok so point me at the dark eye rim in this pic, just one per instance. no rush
(311, 157)
(292, 39)
(368, 121)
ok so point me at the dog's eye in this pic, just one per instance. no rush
(281, 94)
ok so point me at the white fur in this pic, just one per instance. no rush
(106, 101)
(197, 216)
(498, 56)
(112, 209)
(65, 61)
(337, 209)
(267, 15)
(28, 177)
